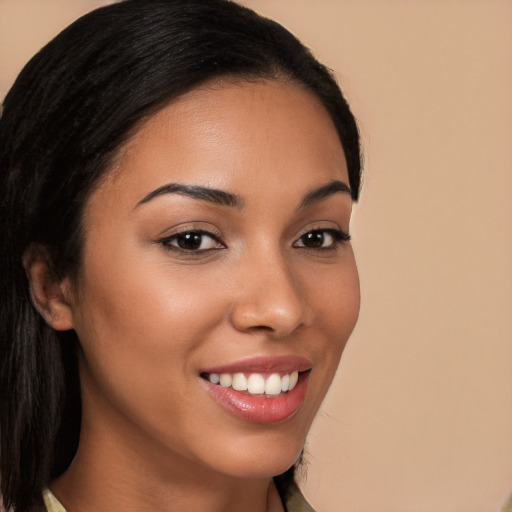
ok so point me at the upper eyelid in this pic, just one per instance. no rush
(321, 225)
(201, 231)
(189, 227)
(214, 236)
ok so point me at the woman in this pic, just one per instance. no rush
(177, 278)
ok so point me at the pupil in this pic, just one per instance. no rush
(313, 239)
(189, 241)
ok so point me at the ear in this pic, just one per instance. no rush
(50, 295)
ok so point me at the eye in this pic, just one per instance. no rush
(192, 241)
(322, 239)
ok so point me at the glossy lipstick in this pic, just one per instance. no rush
(261, 408)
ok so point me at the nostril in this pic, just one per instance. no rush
(261, 328)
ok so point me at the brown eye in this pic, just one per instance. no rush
(190, 241)
(313, 239)
(193, 241)
(322, 239)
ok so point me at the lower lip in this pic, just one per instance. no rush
(259, 409)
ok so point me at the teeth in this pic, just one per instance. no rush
(285, 383)
(239, 382)
(273, 384)
(255, 383)
(225, 380)
(294, 377)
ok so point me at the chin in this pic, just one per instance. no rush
(263, 458)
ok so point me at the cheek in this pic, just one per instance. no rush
(335, 299)
(143, 323)
(141, 328)
(335, 296)
(132, 299)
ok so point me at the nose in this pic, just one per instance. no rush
(269, 298)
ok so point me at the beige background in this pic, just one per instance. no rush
(420, 416)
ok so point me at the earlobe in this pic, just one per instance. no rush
(49, 294)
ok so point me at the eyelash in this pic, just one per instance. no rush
(338, 237)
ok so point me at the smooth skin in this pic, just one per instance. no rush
(152, 310)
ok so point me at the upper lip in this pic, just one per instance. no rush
(281, 364)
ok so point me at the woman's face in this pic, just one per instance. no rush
(216, 250)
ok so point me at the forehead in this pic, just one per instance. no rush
(234, 136)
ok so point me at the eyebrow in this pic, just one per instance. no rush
(320, 193)
(210, 195)
(223, 198)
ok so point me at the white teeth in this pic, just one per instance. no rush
(285, 383)
(225, 380)
(294, 377)
(239, 382)
(256, 383)
(273, 384)
(214, 378)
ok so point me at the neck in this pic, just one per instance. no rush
(78, 495)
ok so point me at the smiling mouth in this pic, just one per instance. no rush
(257, 384)
(263, 390)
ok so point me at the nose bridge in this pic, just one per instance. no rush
(270, 296)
